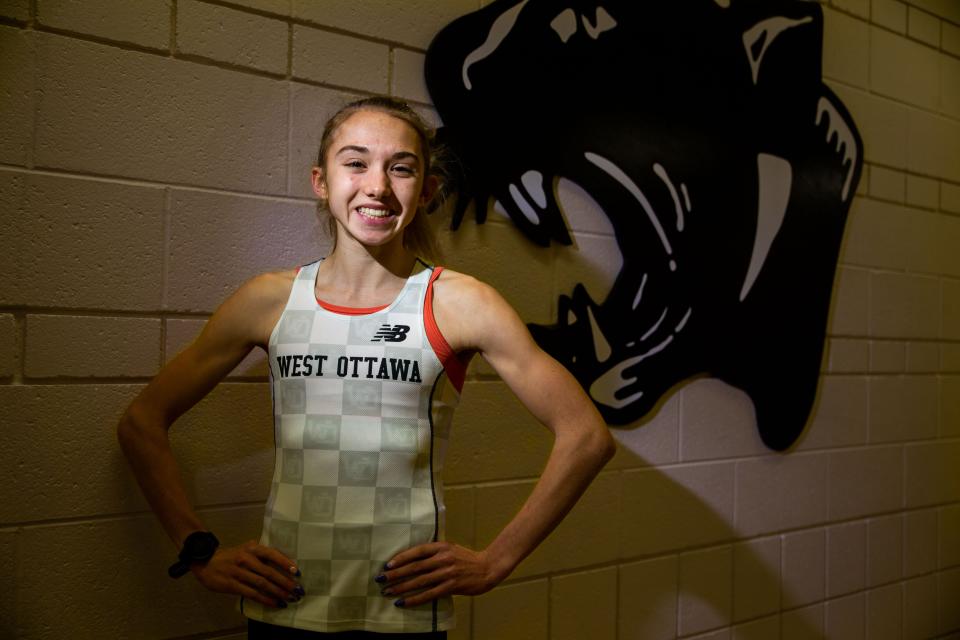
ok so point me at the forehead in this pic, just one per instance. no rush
(376, 130)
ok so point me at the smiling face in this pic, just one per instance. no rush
(372, 178)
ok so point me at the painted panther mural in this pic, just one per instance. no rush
(724, 164)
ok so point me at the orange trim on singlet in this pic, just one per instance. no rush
(350, 311)
(454, 365)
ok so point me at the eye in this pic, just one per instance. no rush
(404, 169)
(353, 164)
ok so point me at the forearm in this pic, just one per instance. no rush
(574, 461)
(145, 444)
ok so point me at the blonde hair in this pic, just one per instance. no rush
(418, 236)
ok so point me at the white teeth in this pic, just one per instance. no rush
(374, 213)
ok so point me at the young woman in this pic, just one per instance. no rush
(367, 353)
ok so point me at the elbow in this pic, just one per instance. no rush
(606, 446)
(133, 428)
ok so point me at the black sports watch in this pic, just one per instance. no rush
(198, 547)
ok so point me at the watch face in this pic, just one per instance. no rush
(199, 546)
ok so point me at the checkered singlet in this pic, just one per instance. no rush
(363, 401)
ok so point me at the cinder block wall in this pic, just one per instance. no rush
(155, 153)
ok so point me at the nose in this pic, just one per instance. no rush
(377, 184)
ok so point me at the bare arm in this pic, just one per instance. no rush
(582, 445)
(237, 326)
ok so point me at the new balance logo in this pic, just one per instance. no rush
(391, 333)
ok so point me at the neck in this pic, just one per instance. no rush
(358, 275)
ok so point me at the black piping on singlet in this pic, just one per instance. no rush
(433, 488)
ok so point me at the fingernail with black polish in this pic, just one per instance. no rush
(387, 566)
(380, 578)
(398, 603)
(295, 571)
(281, 604)
(299, 591)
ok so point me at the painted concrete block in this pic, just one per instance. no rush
(904, 306)
(857, 7)
(413, 22)
(706, 594)
(887, 184)
(846, 48)
(407, 79)
(865, 481)
(930, 473)
(312, 107)
(52, 560)
(923, 357)
(235, 37)
(648, 599)
(278, 7)
(850, 306)
(848, 355)
(888, 356)
(16, 9)
(950, 358)
(9, 358)
(933, 146)
(882, 123)
(593, 261)
(331, 58)
(494, 437)
(488, 252)
(254, 235)
(891, 14)
(804, 567)
(18, 70)
(652, 440)
(903, 69)
(923, 192)
(91, 346)
(948, 595)
(903, 408)
(761, 629)
(846, 617)
(589, 535)
(944, 8)
(949, 406)
(692, 504)
(920, 607)
(950, 316)
(460, 503)
(950, 197)
(717, 421)
(950, 38)
(892, 236)
(142, 22)
(884, 550)
(923, 26)
(920, 542)
(885, 612)
(778, 492)
(512, 612)
(756, 578)
(803, 624)
(79, 243)
(584, 605)
(82, 471)
(194, 113)
(846, 558)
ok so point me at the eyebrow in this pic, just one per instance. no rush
(399, 155)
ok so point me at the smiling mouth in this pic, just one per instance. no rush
(373, 213)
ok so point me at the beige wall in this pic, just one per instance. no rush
(154, 154)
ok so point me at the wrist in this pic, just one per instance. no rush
(198, 548)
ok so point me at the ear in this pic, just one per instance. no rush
(318, 182)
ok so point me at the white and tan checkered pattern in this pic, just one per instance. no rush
(362, 412)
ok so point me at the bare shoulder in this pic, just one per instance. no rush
(470, 312)
(251, 312)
